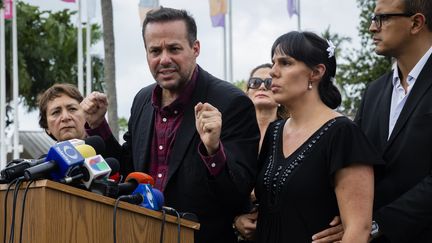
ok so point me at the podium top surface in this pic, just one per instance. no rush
(51, 185)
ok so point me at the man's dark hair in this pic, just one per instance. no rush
(162, 15)
(420, 6)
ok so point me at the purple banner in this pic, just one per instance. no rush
(218, 20)
(292, 7)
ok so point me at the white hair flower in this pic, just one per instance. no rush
(330, 49)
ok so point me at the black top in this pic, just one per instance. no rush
(296, 194)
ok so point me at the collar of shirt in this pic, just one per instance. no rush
(177, 105)
(414, 73)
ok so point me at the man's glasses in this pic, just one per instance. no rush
(379, 18)
(255, 83)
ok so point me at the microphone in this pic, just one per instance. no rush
(94, 168)
(145, 196)
(16, 170)
(86, 150)
(17, 167)
(61, 159)
(97, 143)
(111, 189)
(133, 180)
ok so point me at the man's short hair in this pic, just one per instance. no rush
(161, 15)
(420, 6)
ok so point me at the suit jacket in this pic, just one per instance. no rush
(190, 187)
(403, 189)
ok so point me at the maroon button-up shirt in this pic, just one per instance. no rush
(166, 123)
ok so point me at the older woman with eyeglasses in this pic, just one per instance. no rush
(267, 110)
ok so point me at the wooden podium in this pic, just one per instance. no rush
(59, 213)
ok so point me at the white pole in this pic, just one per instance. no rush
(16, 147)
(298, 16)
(80, 51)
(230, 55)
(88, 57)
(225, 51)
(2, 91)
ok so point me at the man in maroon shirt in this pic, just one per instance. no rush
(195, 134)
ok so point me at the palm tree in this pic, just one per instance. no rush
(109, 64)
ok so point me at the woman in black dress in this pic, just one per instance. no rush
(267, 110)
(316, 164)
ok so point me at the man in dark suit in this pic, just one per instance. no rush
(396, 115)
(195, 134)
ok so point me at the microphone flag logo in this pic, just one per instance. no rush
(149, 196)
(98, 163)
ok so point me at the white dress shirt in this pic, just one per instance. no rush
(399, 96)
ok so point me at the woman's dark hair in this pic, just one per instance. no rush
(50, 94)
(265, 65)
(282, 112)
(311, 49)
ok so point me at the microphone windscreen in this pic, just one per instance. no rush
(159, 197)
(97, 168)
(146, 193)
(86, 150)
(75, 142)
(140, 178)
(97, 143)
(113, 164)
(60, 159)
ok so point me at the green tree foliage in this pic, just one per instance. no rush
(359, 67)
(241, 84)
(47, 52)
(123, 124)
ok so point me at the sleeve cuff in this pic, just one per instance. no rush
(103, 130)
(214, 163)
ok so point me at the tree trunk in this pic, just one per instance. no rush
(109, 65)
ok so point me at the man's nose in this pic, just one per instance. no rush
(165, 58)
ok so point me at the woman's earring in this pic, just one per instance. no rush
(310, 85)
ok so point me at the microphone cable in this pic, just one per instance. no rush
(15, 196)
(5, 208)
(115, 216)
(162, 225)
(175, 212)
(23, 208)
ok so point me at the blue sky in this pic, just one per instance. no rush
(256, 24)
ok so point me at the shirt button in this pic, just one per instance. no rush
(159, 175)
(175, 112)
(213, 165)
(164, 119)
(160, 147)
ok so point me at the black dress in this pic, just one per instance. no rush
(296, 194)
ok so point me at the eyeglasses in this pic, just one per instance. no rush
(379, 18)
(255, 83)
